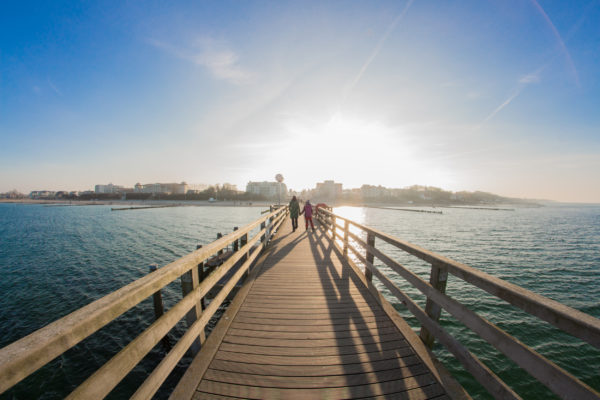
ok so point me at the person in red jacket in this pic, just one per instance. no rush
(308, 213)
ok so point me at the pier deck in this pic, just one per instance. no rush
(305, 325)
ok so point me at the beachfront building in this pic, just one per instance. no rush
(42, 194)
(110, 188)
(328, 190)
(268, 190)
(165, 188)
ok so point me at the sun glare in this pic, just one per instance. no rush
(356, 151)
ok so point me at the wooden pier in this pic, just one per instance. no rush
(306, 326)
(308, 322)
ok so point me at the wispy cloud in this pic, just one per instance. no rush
(376, 50)
(522, 83)
(53, 87)
(506, 102)
(215, 56)
(530, 78)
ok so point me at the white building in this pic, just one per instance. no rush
(269, 190)
(166, 188)
(328, 190)
(110, 188)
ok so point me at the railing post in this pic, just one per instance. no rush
(236, 243)
(201, 277)
(270, 225)
(243, 242)
(158, 308)
(263, 237)
(369, 256)
(189, 281)
(219, 236)
(346, 226)
(333, 222)
(438, 279)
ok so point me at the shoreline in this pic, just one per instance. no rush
(259, 203)
(140, 203)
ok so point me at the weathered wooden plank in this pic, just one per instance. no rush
(315, 334)
(315, 316)
(292, 304)
(399, 353)
(411, 391)
(310, 343)
(299, 313)
(351, 326)
(398, 364)
(415, 376)
(313, 351)
(324, 321)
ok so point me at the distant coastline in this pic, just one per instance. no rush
(259, 203)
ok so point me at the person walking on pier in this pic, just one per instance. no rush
(308, 212)
(294, 211)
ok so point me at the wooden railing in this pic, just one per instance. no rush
(576, 323)
(20, 359)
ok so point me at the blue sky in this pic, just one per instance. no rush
(500, 96)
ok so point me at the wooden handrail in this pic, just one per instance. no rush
(561, 316)
(570, 320)
(23, 357)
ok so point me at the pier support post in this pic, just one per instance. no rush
(263, 237)
(346, 226)
(158, 308)
(438, 279)
(369, 256)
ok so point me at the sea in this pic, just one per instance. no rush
(55, 259)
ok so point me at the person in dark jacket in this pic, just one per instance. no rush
(294, 211)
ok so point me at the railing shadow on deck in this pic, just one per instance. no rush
(366, 345)
(25, 356)
(574, 322)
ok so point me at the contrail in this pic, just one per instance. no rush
(560, 41)
(376, 50)
(515, 93)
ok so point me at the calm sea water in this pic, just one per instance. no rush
(54, 260)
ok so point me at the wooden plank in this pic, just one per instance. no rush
(309, 343)
(416, 376)
(321, 370)
(316, 315)
(400, 353)
(383, 388)
(281, 299)
(291, 304)
(311, 310)
(314, 321)
(351, 326)
(313, 351)
(316, 334)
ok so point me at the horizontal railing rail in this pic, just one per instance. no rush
(25, 356)
(574, 322)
